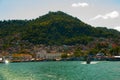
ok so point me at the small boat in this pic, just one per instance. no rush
(88, 60)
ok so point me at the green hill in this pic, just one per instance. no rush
(54, 28)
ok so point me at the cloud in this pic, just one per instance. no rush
(117, 28)
(110, 15)
(80, 4)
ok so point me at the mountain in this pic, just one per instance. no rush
(54, 28)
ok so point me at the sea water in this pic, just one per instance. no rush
(63, 70)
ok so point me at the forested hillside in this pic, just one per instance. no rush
(54, 28)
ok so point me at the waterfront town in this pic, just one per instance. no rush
(104, 49)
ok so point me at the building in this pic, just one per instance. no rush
(53, 56)
(42, 54)
(100, 56)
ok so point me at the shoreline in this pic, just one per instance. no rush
(60, 61)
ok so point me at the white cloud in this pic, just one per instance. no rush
(110, 15)
(80, 4)
(117, 28)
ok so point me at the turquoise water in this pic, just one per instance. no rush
(71, 70)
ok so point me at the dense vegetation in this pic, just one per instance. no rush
(54, 28)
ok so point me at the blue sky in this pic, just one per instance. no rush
(103, 13)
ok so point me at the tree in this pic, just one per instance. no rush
(115, 51)
(93, 51)
(64, 55)
(78, 53)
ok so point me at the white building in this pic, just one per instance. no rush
(42, 54)
(53, 56)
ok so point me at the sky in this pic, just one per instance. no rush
(98, 13)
